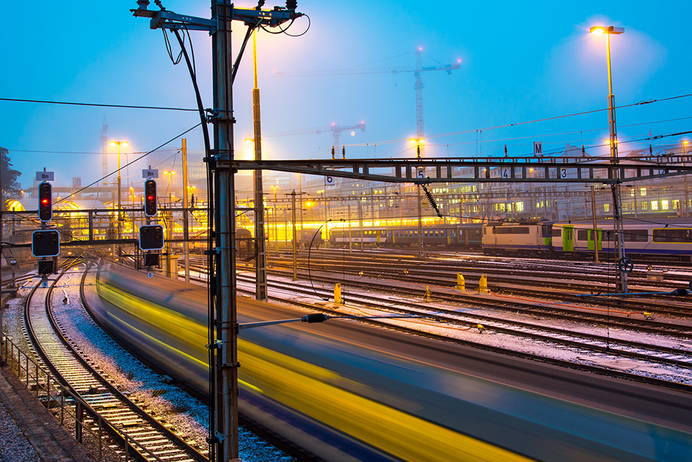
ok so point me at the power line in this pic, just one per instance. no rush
(573, 132)
(72, 152)
(129, 163)
(619, 142)
(119, 106)
(543, 119)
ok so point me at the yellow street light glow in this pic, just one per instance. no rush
(600, 30)
(685, 142)
(309, 204)
(119, 143)
(417, 141)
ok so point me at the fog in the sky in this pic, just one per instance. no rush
(520, 61)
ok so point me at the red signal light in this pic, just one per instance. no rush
(45, 201)
(150, 198)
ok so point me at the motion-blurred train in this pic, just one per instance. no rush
(359, 399)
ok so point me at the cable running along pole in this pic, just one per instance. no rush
(619, 230)
(223, 323)
(260, 242)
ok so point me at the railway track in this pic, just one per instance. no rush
(144, 438)
(518, 305)
(580, 340)
(480, 262)
(523, 282)
(506, 351)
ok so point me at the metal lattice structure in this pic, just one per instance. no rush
(484, 170)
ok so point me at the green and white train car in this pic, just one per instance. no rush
(655, 239)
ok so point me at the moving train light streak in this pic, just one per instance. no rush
(371, 402)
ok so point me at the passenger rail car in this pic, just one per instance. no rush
(442, 236)
(672, 240)
(517, 238)
(360, 399)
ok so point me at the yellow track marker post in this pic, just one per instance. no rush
(461, 282)
(483, 284)
(427, 296)
(338, 298)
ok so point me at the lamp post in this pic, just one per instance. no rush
(275, 188)
(686, 193)
(169, 175)
(421, 245)
(615, 187)
(119, 144)
(132, 196)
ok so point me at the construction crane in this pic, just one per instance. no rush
(335, 129)
(418, 86)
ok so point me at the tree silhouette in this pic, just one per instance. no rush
(8, 176)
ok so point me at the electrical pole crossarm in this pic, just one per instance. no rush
(446, 67)
(165, 19)
(169, 20)
(271, 18)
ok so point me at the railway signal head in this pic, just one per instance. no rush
(151, 237)
(151, 259)
(150, 198)
(46, 267)
(45, 243)
(45, 201)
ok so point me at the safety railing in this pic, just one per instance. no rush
(102, 440)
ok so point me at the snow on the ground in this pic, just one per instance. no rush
(154, 391)
(507, 341)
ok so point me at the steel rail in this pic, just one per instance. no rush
(139, 448)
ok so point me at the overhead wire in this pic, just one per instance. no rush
(108, 105)
(128, 163)
(532, 121)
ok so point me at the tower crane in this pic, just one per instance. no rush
(418, 86)
(335, 129)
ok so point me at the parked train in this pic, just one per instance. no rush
(466, 236)
(672, 240)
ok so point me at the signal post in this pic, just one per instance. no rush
(223, 324)
(151, 237)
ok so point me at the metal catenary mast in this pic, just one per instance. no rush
(223, 323)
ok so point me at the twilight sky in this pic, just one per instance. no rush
(520, 61)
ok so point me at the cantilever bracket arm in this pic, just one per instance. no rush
(166, 19)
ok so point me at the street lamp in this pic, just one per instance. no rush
(119, 144)
(421, 245)
(686, 195)
(623, 262)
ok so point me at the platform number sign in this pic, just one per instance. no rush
(45, 176)
(329, 182)
(537, 148)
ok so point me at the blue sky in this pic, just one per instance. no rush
(520, 61)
